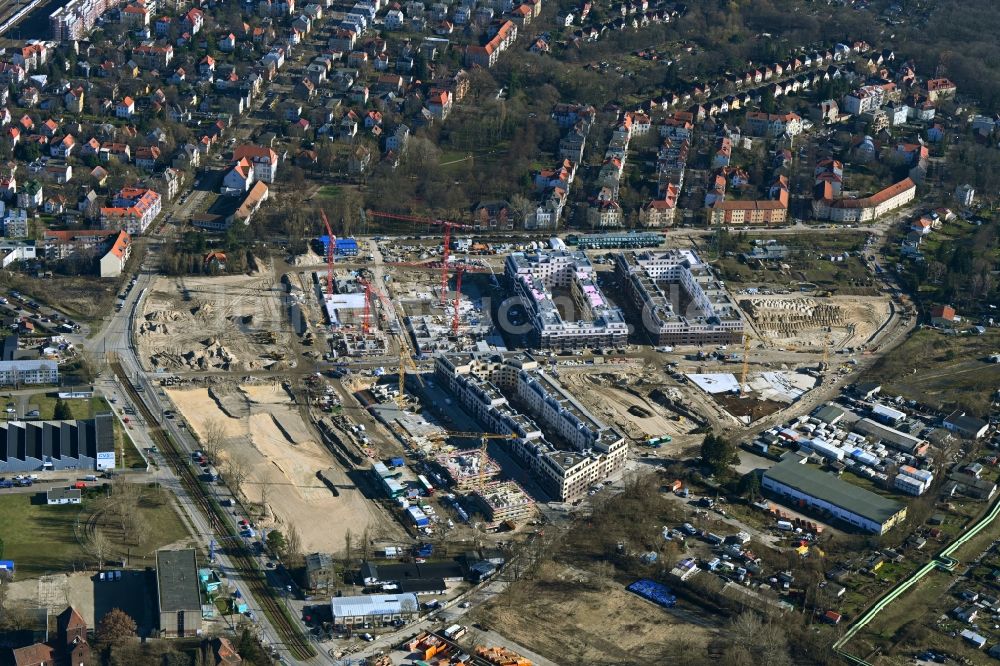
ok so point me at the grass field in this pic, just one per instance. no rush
(45, 403)
(807, 261)
(942, 370)
(41, 538)
(589, 620)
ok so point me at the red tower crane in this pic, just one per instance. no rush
(458, 297)
(332, 241)
(448, 226)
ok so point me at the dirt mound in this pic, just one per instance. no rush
(308, 258)
(164, 315)
(202, 310)
(146, 328)
(229, 402)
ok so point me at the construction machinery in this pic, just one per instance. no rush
(448, 225)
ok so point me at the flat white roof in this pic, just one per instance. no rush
(374, 604)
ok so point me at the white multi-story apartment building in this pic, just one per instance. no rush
(14, 373)
(658, 282)
(589, 320)
(263, 159)
(590, 451)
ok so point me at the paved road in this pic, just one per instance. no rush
(116, 336)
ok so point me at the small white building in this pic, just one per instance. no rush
(63, 496)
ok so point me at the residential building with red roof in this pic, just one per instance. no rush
(113, 262)
(264, 160)
(487, 55)
(133, 210)
(866, 208)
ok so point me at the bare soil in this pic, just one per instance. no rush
(575, 617)
(264, 431)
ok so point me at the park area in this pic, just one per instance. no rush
(40, 538)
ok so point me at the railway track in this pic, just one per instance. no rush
(289, 634)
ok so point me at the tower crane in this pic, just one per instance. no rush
(331, 242)
(448, 226)
(458, 298)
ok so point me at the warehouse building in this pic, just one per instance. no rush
(27, 446)
(676, 299)
(792, 480)
(378, 610)
(891, 437)
(178, 593)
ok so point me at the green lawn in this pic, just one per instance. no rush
(39, 538)
(329, 191)
(42, 539)
(45, 403)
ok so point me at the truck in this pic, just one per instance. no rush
(454, 632)
(785, 525)
(212, 474)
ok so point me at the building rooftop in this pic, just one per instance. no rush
(177, 580)
(374, 604)
(829, 488)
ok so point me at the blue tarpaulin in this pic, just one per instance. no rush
(655, 592)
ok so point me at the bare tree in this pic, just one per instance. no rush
(366, 544)
(99, 546)
(236, 473)
(294, 540)
(212, 439)
(348, 546)
(265, 481)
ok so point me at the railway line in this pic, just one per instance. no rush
(290, 635)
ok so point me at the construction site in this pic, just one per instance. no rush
(279, 463)
(808, 322)
(225, 324)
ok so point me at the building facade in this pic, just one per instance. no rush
(656, 283)
(27, 446)
(538, 278)
(867, 208)
(133, 210)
